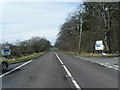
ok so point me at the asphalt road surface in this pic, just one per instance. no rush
(111, 62)
(48, 72)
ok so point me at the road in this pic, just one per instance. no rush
(110, 62)
(47, 72)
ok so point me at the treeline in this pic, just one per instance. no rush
(33, 45)
(92, 21)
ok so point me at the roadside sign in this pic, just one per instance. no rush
(99, 42)
(6, 52)
(99, 47)
(6, 46)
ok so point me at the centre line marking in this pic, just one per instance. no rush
(68, 72)
(15, 69)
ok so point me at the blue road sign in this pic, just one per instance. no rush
(97, 45)
(6, 50)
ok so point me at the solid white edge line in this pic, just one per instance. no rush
(15, 69)
(68, 72)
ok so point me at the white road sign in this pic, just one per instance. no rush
(99, 42)
(6, 52)
(99, 47)
(6, 46)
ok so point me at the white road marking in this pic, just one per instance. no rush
(101, 63)
(15, 69)
(109, 66)
(59, 58)
(115, 67)
(106, 65)
(68, 72)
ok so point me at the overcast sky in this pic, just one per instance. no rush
(23, 20)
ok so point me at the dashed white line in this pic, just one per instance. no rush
(106, 65)
(69, 74)
(101, 64)
(115, 67)
(15, 69)
(109, 66)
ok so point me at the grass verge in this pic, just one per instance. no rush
(25, 58)
(89, 54)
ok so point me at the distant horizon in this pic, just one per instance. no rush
(23, 20)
